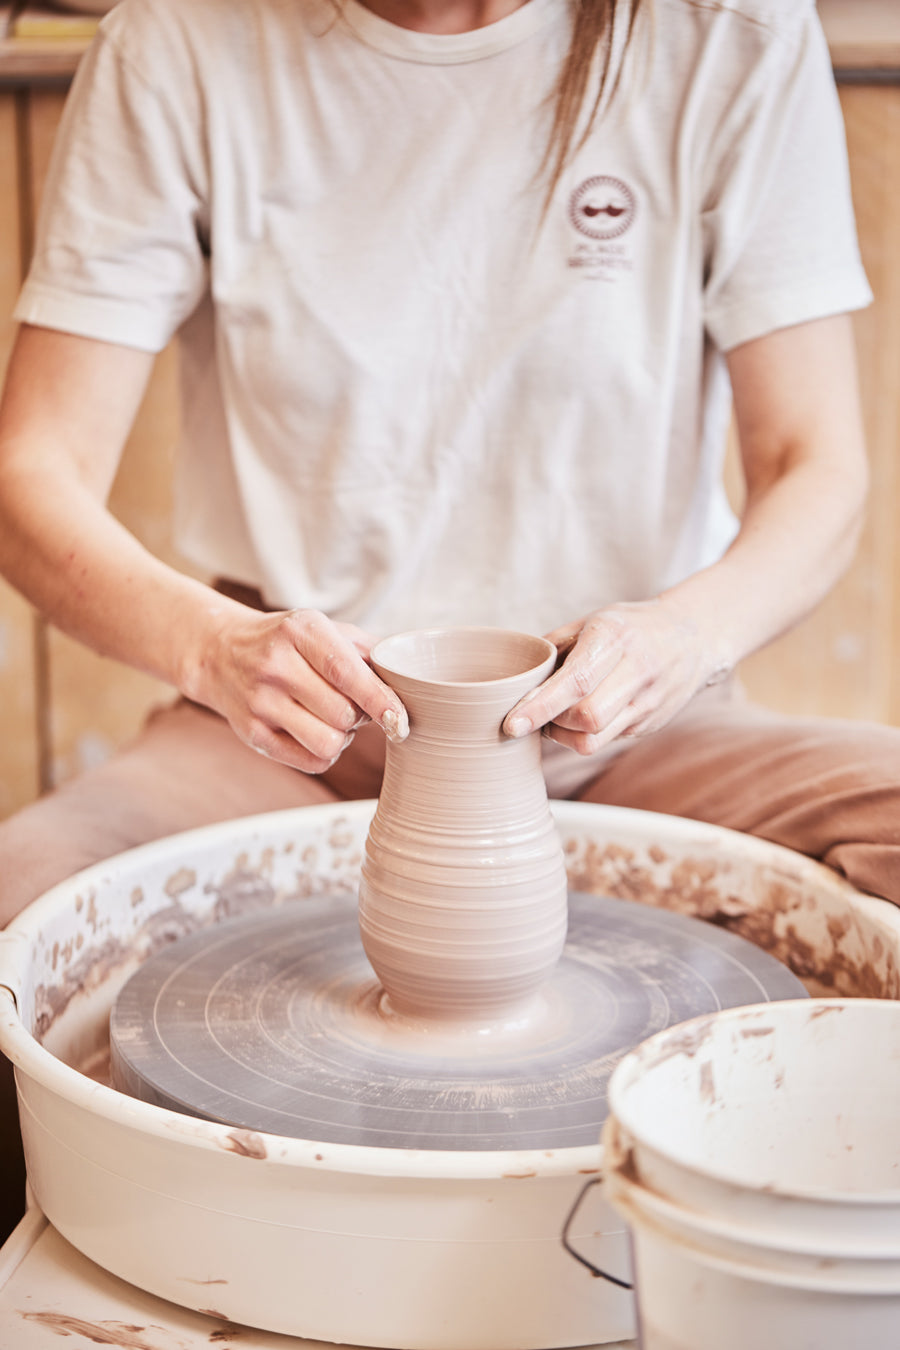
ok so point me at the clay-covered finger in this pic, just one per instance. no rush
(575, 680)
(623, 723)
(283, 680)
(274, 713)
(279, 744)
(339, 663)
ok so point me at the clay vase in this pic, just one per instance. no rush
(463, 894)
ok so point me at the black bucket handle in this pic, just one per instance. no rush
(595, 1270)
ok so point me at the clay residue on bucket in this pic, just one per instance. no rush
(688, 1040)
(825, 946)
(707, 1083)
(618, 1153)
(823, 1011)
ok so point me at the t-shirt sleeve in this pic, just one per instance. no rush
(779, 231)
(119, 253)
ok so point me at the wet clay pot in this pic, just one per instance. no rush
(463, 890)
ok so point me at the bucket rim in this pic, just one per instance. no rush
(638, 1216)
(776, 1239)
(689, 1037)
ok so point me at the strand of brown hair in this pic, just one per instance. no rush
(591, 31)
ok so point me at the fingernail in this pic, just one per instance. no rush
(395, 725)
(518, 726)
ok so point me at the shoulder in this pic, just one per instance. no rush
(775, 18)
(729, 45)
(203, 31)
(153, 35)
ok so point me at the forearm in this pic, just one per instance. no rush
(66, 411)
(797, 537)
(803, 453)
(81, 568)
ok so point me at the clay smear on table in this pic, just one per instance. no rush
(463, 891)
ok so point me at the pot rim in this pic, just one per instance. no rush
(429, 681)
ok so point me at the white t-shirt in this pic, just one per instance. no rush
(409, 399)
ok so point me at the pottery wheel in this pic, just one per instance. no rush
(275, 1022)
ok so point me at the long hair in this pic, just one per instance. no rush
(589, 61)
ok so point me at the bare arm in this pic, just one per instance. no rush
(632, 667)
(293, 684)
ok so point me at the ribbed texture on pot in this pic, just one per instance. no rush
(463, 891)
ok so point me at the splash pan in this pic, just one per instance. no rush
(431, 1249)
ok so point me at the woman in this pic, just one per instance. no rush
(463, 290)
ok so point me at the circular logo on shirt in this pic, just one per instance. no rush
(602, 207)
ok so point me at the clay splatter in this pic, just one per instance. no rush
(179, 882)
(122, 1335)
(226, 1333)
(87, 973)
(824, 1011)
(242, 891)
(771, 913)
(247, 1143)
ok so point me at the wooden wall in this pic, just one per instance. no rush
(61, 708)
(18, 749)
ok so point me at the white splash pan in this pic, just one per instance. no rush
(375, 1247)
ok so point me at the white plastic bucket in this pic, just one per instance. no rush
(755, 1156)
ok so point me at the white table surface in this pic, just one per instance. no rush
(49, 1291)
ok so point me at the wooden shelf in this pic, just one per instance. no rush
(33, 61)
(38, 60)
(862, 34)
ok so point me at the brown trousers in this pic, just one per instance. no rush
(829, 789)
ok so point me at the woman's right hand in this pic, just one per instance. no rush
(294, 685)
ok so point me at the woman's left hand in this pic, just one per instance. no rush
(627, 670)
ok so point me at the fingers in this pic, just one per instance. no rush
(623, 715)
(628, 670)
(335, 656)
(289, 747)
(298, 686)
(591, 660)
